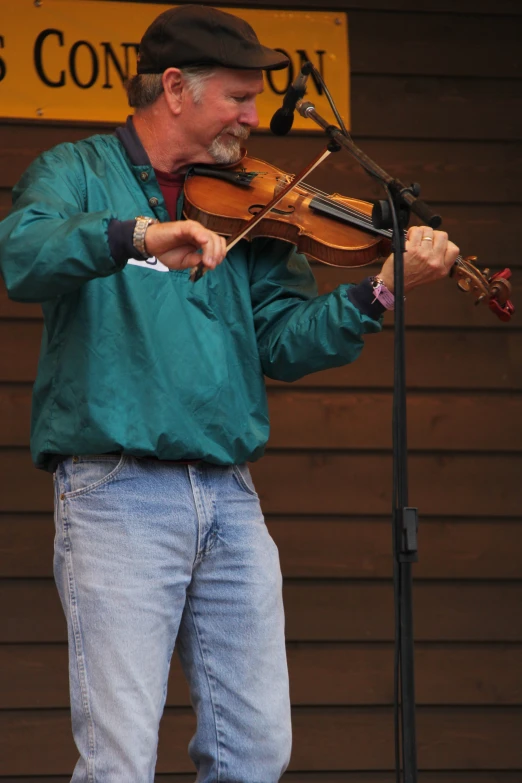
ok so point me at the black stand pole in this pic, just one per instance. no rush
(404, 527)
(394, 213)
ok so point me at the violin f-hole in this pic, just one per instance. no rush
(255, 208)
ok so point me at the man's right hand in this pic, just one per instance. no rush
(183, 244)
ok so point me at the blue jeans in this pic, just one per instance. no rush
(149, 554)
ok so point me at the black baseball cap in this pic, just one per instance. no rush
(201, 35)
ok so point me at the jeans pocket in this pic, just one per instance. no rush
(244, 479)
(88, 472)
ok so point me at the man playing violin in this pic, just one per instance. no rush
(150, 400)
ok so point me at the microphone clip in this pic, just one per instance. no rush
(283, 118)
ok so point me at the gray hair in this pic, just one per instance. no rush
(145, 88)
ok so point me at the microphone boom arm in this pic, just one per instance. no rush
(420, 208)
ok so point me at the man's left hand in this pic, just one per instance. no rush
(429, 256)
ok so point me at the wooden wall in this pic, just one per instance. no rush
(437, 98)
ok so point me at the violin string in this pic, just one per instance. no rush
(348, 211)
(325, 199)
(351, 211)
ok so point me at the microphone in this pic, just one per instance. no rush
(283, 119)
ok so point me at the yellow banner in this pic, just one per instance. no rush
(68, 59)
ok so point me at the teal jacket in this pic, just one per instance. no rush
(140, 360)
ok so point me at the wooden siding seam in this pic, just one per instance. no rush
(284, 451)
(333, 581)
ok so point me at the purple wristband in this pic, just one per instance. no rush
(382, 294)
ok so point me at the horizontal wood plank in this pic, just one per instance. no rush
(317, 611)
(408, 44)
(322, 548)
(36, 676)
(443, 107)
(11, 309)
(333, 483)
(15, 487)
(442, 304)
(492, 232)
(442, 612)
(5, 200)
(341, 420)
(442, 359)
(446, 107)
(24, 337)
(448, 171)
(479, 776)
(338, 739)
(455, 171)
(324, 739)
(15, 414)
(323, 674)
(309, 483)
(326, 548)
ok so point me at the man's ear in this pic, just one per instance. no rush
(174, 89)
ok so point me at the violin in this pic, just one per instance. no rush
(252, 198)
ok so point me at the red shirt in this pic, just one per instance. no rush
(171, 186)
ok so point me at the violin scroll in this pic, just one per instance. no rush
(492, 289)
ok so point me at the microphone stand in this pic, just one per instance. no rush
(394, 213)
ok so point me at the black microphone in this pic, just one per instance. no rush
(283, 119)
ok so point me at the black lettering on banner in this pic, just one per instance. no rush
(110, 55)
(304, 57)
(126, 48)
(38, 61)
(3, 69)
(94, 64)
(289, 75)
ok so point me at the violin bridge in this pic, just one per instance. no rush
(281, 183)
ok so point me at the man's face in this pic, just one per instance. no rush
(223, 117)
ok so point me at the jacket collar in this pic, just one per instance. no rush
(130, 140)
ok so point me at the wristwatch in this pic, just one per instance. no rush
(138, 236)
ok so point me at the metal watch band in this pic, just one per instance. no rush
(138, 236)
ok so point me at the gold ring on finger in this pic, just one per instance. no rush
(427, 239)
